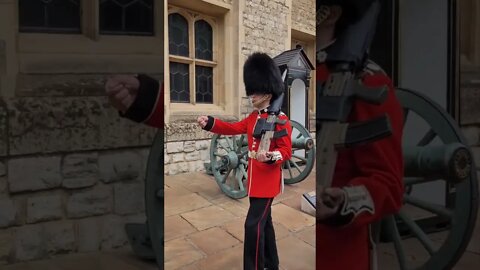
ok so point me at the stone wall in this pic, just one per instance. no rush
(71, 170)
(266, 26)
(303, 15)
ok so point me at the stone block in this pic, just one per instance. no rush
(80, 165)
(3, 129)
(178, 130)
(44, 208)
(59, 237)
(174, 147)
(120, 166)
(29, 243)
(3, 169)
(3, 186)
(8, 213)
(179, 157)
(166, 158)
(113, 233)
(46, 173)
(76, 123)
(79, 182)
(205, 155)
(129, 198)
(96, 201)
(6, 244)
(202, 144)
(196, 166)
(89, 234)
(192, 156)
(189, 146)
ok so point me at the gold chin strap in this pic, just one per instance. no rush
(322, 14)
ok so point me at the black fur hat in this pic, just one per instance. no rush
(262, 76)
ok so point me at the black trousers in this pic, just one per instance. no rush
(260, 248)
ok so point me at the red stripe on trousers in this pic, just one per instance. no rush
(258, 234)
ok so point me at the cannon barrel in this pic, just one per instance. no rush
(452, 162)
(303, 143)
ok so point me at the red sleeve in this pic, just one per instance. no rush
(156, 117)
(380, 163)
(148, 105)
(220, 127)
(284, 144)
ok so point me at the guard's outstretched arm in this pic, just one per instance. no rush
(148, 105)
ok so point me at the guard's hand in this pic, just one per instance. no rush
(264, 156)
(122, 91)
(330, 200)
(202, 121)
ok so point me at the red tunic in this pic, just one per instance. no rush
(265, 180)
(379, 167)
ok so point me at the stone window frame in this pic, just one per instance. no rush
(219, 16)
(192, 17)
(90, 51)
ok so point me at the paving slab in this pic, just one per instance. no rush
(294, 254)
(185, 203)
(208, 217)
(307, 235)
(235, 228)
(213, 240)
(236, 208)
(292, 219)
(176, 226)
(179, 253)
(231, 259)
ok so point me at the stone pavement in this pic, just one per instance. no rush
(204, 227)
(204, 230)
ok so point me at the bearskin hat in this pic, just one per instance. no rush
(352, 9)
(262, 76)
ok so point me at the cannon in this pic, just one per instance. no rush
(228, 160)
(441, 231)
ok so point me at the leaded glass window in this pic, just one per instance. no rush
(192, 69)
(126, 17)
(49, 16)
(203, 40)
(179, 83)
(204, 84)
(178, 35)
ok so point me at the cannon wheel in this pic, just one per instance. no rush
(301, 164)
(229, 162)
(154, 197)
(460, 213)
